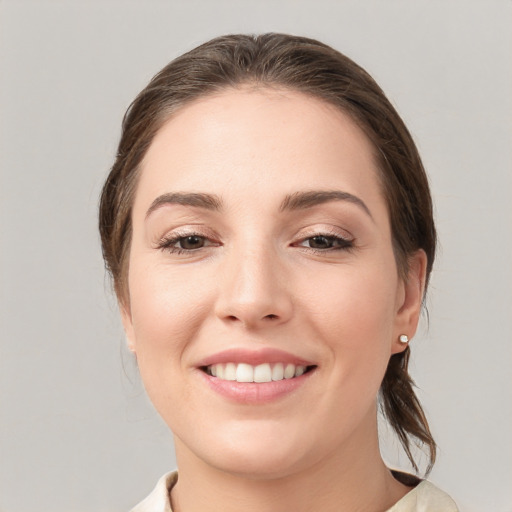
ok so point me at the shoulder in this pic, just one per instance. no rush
(158, 500)
(424, 497)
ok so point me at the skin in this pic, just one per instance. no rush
(258, 283)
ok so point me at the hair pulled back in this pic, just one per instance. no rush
(310, 67)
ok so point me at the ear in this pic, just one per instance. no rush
(126, 318)
(410, 300)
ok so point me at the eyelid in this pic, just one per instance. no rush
(339, 239)
(165, 242)
(322, 230)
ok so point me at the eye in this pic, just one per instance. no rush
(185, 243)
(191, 242)
(322, 242)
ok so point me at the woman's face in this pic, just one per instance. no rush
(262, 249)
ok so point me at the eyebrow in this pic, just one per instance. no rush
(199, 200)
(311, 198)
(292, 202)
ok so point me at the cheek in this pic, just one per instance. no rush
(353, 300)
(167, 311)
(352, 310)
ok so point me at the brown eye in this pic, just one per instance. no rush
(191, 242)
(322, 242)
(326, 243)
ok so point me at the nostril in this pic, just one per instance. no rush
(271, 317)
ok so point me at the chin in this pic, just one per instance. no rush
(253, 455)
(267, 459)
(264, 466)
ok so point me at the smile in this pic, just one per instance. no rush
(255, 376)
(265, 372)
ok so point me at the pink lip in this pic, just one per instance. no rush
(253, 357)
(251, 393)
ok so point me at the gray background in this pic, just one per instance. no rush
(76, 431)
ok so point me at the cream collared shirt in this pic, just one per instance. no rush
(425, 497)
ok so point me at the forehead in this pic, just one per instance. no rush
(266, 141)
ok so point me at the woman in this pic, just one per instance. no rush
(268, 226)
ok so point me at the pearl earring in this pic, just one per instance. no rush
(404, 338)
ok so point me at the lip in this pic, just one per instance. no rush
(252, 393)
(253, 357)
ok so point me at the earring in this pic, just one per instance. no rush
(404, 338)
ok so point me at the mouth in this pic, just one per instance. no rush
(261, 373)
(255, 376)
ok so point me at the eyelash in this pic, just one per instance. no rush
(167, 243)
(339, 243)
(343, 244)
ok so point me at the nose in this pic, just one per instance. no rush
(253, 290)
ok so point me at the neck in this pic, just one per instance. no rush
(352, 478)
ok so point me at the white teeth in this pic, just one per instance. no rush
(278, 372)
(289, 371)
(266, 372)
(244, 373)
(262, 373)
(299, 371)
(230, 371)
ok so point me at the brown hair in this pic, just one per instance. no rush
(311, 67)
